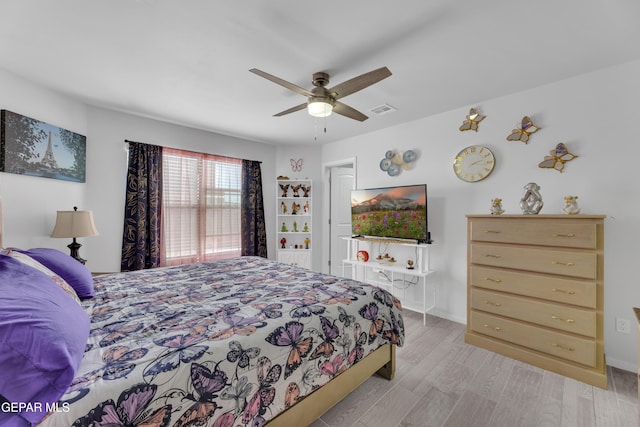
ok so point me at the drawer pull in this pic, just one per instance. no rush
(562, 347)
(492, 232)
(489, 279)
(566, 264)
(562, 291)
(495, 328)
(492, 256)
(495, 304)
(564, 235)
(563, 320)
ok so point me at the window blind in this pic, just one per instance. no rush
(201, 206)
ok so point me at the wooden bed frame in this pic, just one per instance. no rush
(311, 407)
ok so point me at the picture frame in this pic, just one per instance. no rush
(35, 148)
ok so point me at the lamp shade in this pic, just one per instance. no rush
(74, 223)
(319, 108)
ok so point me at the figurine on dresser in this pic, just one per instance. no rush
(571, 205)
(496, 207)
(531, 202)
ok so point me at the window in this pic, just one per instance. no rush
(201, 206)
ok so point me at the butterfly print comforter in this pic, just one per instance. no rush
(225, 343)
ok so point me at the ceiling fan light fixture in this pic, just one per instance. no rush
(319, 107)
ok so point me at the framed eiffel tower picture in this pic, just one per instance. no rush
(31, 147)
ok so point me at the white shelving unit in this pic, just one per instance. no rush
(409, 285)
(294, 229)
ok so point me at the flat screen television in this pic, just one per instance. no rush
(392, 212)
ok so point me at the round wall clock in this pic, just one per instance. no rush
(363, 256)
(474, 163)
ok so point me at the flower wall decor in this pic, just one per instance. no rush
(394, 162)
(523, 131)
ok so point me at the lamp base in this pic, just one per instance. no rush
(74, 247)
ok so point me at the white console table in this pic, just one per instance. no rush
(394, 276)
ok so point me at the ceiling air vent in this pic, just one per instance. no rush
(383, 109)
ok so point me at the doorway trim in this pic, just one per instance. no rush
(326, 208)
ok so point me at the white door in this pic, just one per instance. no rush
(342, 182)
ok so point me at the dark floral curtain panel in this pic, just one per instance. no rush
(254, 235)
(141, 244)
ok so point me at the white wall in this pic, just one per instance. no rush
(30, 203)
(107, 168)
(594, 115)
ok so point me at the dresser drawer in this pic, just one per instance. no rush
(535, 231)
(547, 260)
(575, 320)
(579, 350)
(552, 288)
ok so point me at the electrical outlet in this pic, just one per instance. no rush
(623, 325)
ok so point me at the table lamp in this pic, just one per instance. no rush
(74, 224)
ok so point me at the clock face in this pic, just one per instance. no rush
(474, 163)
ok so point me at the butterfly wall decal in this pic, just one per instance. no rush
(558, 157)
(296, 165)
(523, 131)
(472, 120)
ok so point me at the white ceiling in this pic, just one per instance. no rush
(187, 61)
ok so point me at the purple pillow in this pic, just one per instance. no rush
(73, 272)
(43, 334)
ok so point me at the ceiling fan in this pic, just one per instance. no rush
(322, 101)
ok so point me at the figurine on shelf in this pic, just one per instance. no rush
(283, 242)
(531, 201)
(496, 207)
(285, 189)
(283, 207)
(305, 190)
(295, 189)
(306, 243)
(305, 228)
(295, 227)
(306, 207)
(284, 228)
(410, 264)
(295, 207)
(571, 205)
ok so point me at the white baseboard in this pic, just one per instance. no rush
(621, 364)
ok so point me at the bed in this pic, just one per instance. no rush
(244, 341)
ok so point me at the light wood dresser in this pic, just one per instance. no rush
(535, 291)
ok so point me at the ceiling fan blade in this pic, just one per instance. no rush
(345, 110)
(291, 110)
(358, 83)
(278, 80)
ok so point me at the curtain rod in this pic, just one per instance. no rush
(173, 148)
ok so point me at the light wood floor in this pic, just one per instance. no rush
(441, 381)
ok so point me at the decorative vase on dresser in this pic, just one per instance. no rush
(535, 291)
(293, 217)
